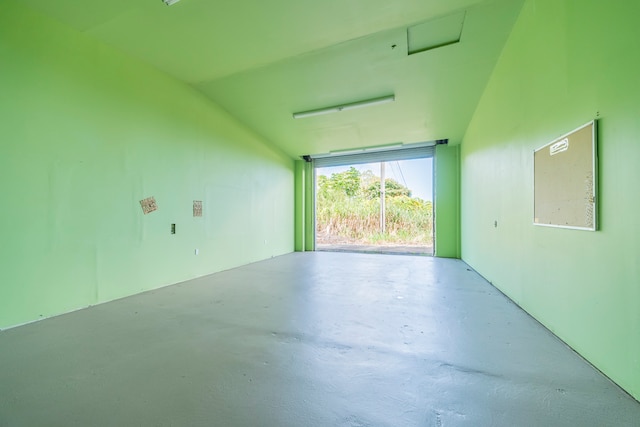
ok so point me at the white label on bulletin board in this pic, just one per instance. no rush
(559, 147)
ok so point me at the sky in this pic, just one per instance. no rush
(417, 174)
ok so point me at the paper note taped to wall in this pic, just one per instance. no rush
(197, 208)
(148, 205)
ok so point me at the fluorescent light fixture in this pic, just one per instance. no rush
(344, 107)
(170, 2)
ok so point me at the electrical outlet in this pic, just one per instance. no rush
(173, 229)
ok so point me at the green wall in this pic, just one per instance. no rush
(305, 207)
(85, 134)
(300, 206)
(447, 205)
(566, 63)
(309, 207)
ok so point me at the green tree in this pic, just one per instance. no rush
(392, 189)
(347, 182)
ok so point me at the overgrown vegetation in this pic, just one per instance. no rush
(348, 209)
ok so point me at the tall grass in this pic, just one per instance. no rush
(349, 212)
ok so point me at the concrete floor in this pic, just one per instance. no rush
(306, 339)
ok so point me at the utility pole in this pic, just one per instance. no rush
(382, 197)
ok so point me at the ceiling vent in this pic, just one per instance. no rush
(436, 33)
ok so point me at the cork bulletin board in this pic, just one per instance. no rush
(565, 181)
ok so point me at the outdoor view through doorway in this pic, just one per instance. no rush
(382, 207)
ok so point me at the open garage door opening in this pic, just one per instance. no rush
(383, 206)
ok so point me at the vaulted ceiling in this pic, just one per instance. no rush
(264, 60)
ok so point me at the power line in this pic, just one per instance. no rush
(401, 174)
